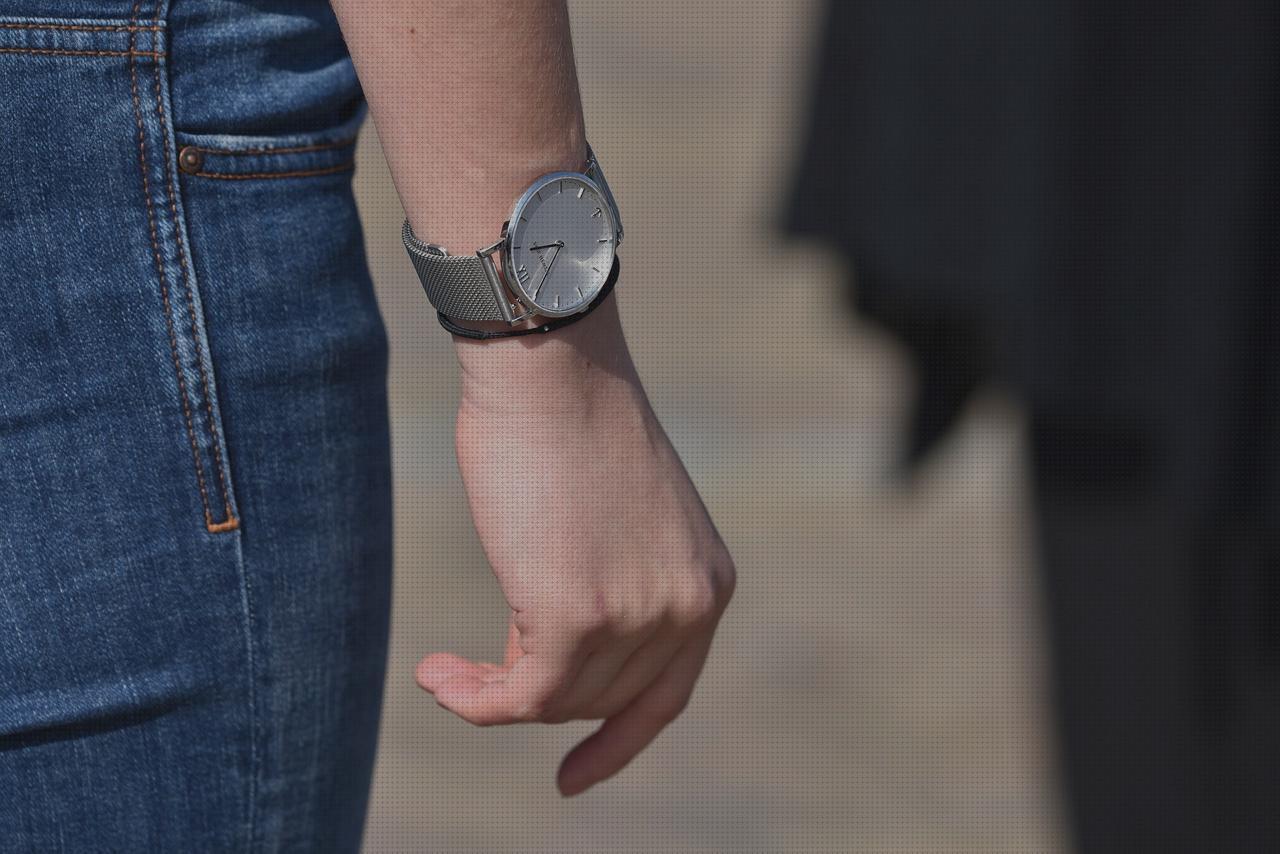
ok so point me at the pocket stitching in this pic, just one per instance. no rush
(85, 28)
(249, 176)
(213, 527)
(50, 51)
(294, 149)
(230, 523)
(295, 155)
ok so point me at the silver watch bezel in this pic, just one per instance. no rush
(508, 235)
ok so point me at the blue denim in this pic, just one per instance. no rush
(195, 513)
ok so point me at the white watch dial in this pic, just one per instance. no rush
(560, 244)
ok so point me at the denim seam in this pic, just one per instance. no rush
(230, 522)
(48, 51)
(84, 28)
(246, 606)
(294, 149)
(247, 176)
(160, 271)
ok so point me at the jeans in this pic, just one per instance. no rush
(195, 513)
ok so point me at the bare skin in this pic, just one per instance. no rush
(615, 574)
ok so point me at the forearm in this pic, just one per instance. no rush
(473, 101)
(613, 571)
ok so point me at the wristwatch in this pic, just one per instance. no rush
(558, 253)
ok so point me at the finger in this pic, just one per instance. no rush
(514, 650)
(623, 736)
(599, 670)
(438, 668)
(519, 694)
(638, 673)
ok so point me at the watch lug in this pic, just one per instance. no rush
(595, 173)
(491, 273)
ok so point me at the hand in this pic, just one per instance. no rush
(546, 268)
(615, 575)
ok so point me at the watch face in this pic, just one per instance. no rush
(560, 244)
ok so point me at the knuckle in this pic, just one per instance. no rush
(588, 625)
(694, 602)
(590, 619)
(724, 580)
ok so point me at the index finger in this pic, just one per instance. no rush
(522, 694)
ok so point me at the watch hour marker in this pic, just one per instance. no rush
(559, 186)
(597, 212)
(538, 193)
(580, 189)
(604, 240)
(557, 300)
(597, 269)
(581, 295)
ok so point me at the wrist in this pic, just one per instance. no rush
(563, 371)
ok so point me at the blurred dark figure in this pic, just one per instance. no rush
(1080, 199)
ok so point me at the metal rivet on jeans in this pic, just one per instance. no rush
(190, 159)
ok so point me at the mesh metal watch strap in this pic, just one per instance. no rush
(455, 284)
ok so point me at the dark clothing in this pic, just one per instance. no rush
(1081, 200)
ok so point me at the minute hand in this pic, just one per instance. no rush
(547, 272)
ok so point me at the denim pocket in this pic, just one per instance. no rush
(87, 126)
(182, 300)
(243, 158)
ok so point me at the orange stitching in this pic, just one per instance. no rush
(297, 149)
(231, 176)
(95, 28)
(164, 286)
(131, 53)
(191, 312)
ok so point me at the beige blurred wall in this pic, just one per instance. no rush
(876, 685)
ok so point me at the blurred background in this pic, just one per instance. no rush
(877, 683)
